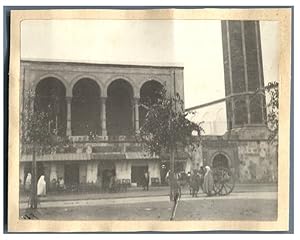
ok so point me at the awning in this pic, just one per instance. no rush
(87, 157)
(139, 155)
(108, 156)
(58, 157)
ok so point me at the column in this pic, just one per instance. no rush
(136, 115)
(103, 116)
(132, 115)
(21, 174)
(69, 130)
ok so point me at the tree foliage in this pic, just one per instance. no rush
(273, 109)
(166, 125)
(34, 126)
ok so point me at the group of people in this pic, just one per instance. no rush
(201, 178)
(59, 184)
(41, 185)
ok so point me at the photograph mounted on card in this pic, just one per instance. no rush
(149, 120)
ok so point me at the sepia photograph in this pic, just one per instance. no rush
(150, 117)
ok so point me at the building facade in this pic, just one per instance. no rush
(97, 107)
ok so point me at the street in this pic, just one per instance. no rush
(257, 204)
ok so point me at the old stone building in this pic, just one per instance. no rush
(97, 107)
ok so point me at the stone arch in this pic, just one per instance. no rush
(162, 82)
(120, 108)
(217, 158)
(50, 75)
(50, 98)
(136, 93)
(87, 76)
(149, 93)
(85, 107)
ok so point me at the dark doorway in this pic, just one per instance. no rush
(164, 168)
(71, 174)
(86, 108)
(137, 174)
(220, 160)
(119, 112)
(107, 178)
(150, 93)
(106, 174)
(51, 99)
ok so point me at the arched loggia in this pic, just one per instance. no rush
(149, 94)
(86, 108)
(50, 98)
(119, 114)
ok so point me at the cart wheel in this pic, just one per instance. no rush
(218, 184)
(217, 188)
(227, 181)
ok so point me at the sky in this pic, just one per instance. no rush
(194, 44)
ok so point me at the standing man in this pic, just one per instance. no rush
(146, 181)
(208, 183)
(175, 194)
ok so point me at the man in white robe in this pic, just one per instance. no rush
(41, 186)
(208, 183)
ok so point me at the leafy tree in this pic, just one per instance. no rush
(166, 127)
(36, 137)
(273, 109)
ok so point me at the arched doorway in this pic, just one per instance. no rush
(119, 106)
(149, 93)
(220, 160)
(51, 99)
(86, 108)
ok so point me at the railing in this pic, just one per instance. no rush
(98, 138)
(84, 147)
